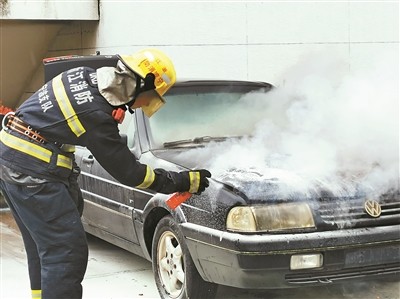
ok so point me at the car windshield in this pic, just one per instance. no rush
(194, 115)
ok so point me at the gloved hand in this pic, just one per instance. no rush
(197, 179)
(168, 182)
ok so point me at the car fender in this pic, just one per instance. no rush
(159, 201)
(146, 220)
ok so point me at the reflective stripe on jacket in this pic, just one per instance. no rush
(45, 160)
(33, 149)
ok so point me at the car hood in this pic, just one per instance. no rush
(266, 183)
(256, 184)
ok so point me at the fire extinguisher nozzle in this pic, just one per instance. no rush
(177, 198)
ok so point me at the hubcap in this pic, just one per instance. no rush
(170, 264)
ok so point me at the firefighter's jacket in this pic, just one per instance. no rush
(70, 110)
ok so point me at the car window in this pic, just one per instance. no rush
(199, 113)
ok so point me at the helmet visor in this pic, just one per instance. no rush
(150, 101)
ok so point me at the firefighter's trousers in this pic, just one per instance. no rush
(53, 235)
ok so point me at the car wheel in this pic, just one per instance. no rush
(175, 274)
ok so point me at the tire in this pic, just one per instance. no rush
(175, 274)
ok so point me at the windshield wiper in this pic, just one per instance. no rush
(196, 141)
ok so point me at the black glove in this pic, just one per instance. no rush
(168, 182)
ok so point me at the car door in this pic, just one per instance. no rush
(108, 211)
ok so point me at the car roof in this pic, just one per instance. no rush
(216, 82)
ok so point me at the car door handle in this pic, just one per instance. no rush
(88, 160)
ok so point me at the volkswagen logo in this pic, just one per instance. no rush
(372, 208)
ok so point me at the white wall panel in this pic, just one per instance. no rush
(374, 21)
(216, 62)
(142, 24)
(301, 22)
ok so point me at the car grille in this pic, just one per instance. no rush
(332, 276)
(350, 212)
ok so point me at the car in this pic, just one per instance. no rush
(248, 229)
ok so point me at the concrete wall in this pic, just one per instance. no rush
(23, 44)
(27, 27)
(239, 40)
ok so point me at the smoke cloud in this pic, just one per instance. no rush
(324, 123)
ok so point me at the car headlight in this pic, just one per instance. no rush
(269, 218)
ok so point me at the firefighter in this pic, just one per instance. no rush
(81, 106)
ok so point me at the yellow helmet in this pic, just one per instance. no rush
(156, 62)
